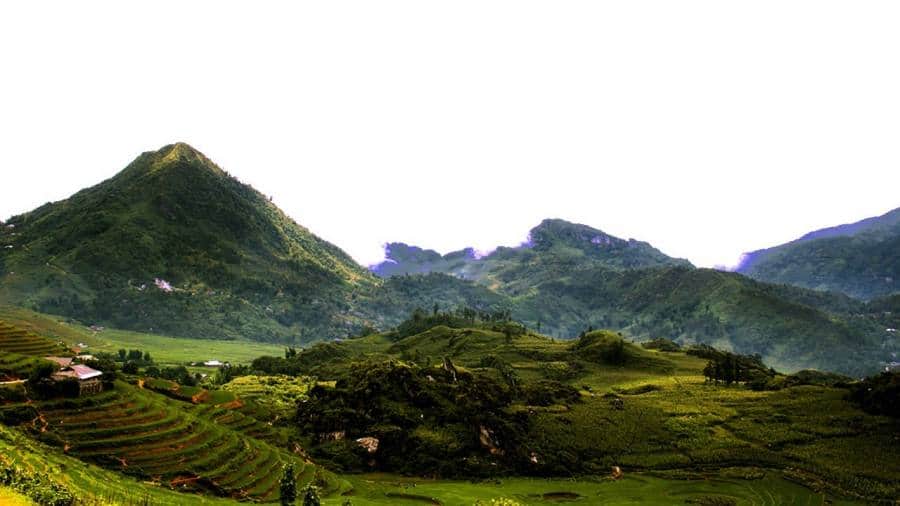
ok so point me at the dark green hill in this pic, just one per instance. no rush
(860, 259)
(175, 244)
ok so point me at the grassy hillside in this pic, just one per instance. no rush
(165, 350)
(858, 259)
(644, 410)
(477, 396)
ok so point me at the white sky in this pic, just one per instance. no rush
(706, 128)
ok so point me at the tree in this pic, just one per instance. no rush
(130, 367)
(147, 357)
(289, 486)
(311, 496)
(122, 355)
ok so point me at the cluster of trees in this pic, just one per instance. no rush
(728, 368)
(420, 321)
(437, 420)
(661, 344)
(879, 394)
(133, 360)
(179, 374)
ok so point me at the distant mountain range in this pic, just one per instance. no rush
(861, 259)
(175, 245)
(579, 243)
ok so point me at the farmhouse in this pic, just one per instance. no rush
(88, 379)
(60, 361)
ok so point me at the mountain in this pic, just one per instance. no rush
(174, 244)
(552, 237)
(567, 278)
(860, 259)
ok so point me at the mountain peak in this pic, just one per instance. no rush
(554, 231)
(179, 154)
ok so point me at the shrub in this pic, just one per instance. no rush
(39, 487)
(879, 394)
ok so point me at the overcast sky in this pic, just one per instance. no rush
(706, 128)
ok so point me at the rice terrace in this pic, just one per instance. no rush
(410, 253)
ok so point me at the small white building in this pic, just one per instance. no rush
(213, 363)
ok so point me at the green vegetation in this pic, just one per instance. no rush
(39, 487)
(769, 488)
(164, 350)
(643, 410)
(173, 245)
(91, 484)
(153, 438)
(859, 259)
(467, 401)
(879, 394)
(17, 340)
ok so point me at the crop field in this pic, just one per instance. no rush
(767, 488)
(152, 437)
(18, 340)
(93, 485)
(165, 350)
(276, 396)
(16, 365)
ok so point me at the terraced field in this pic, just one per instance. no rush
(17, 365)
(92, 484)
(147, 435)
(17, 340)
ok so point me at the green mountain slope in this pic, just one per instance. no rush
(174, 244)
(859, 259)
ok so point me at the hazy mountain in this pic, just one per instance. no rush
(552, 237)
(860, 259)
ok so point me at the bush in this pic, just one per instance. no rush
(879, 394)
(39, 487)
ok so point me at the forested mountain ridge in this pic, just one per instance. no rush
(860, 259)
(174, 245)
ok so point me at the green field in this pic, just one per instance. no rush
(165, 350)
(770, 489)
